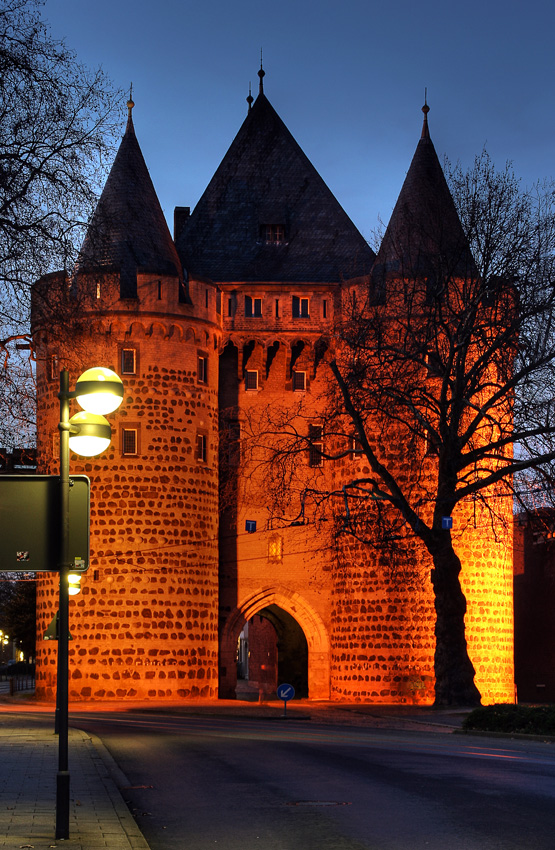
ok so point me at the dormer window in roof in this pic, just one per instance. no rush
(273, 234)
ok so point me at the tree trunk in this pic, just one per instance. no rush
(454, 671)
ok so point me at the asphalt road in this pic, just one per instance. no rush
(199, 783)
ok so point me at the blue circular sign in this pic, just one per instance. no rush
(286, 692)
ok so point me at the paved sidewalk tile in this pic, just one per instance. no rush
(28, 766)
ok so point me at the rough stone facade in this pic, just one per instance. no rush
(145, 624)
(176, 575)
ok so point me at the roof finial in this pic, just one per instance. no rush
(261, 74)
(250, 98)
(130, 105)
(425, 110)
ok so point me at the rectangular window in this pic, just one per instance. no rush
(300, 307)
(316, 445)
(299, 381)
(430, 443)
(324, 309)
(129, 441)
(356, 447)
(274, 234)
(277, 308)
(251, 380)
(253, 307)
(53, 367)
(159, 290)
(434, 365)
(202, 447)
(98, 290)
(202, 369)
(128, 361)
(232, 304)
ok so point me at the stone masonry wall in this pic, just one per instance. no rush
(145, 623)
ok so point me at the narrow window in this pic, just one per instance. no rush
(206, 298)
(128, 361)
(53, 367)
(98, 290)
(356, 447)
(299, 381)
(202, 369)
(325, 308)
(316, 445)
(300, 307)
(129, 441)
(251, 380)
(201, 447)
(232, 304)
(159, 290)
(430, 443)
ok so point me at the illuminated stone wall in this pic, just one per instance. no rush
(145, 622)
(284, 564)
(367, 609)
(487, 582)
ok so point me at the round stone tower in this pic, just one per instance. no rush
(145, 625)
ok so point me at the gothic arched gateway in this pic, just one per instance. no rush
(279, 607)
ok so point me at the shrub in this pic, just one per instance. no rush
(521, 719)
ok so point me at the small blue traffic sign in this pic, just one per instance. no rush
(285, 692)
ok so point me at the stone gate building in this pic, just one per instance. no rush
(197, 590)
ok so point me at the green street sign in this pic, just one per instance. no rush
(30, 523)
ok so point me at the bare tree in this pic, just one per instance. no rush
(452, 361)
(56, 125)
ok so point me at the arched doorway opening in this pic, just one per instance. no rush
(295, 637)
(272, 649)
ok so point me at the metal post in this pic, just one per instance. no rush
(63, 777)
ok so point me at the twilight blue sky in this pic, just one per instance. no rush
(346, 76)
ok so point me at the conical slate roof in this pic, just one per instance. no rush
(128, 230)
(424, 238)
(264, 180)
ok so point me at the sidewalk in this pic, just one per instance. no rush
(28, 766)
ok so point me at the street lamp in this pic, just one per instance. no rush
(87, 433)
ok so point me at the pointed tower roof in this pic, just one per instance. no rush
(128, 230)
(265, 181)
(424, 237)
